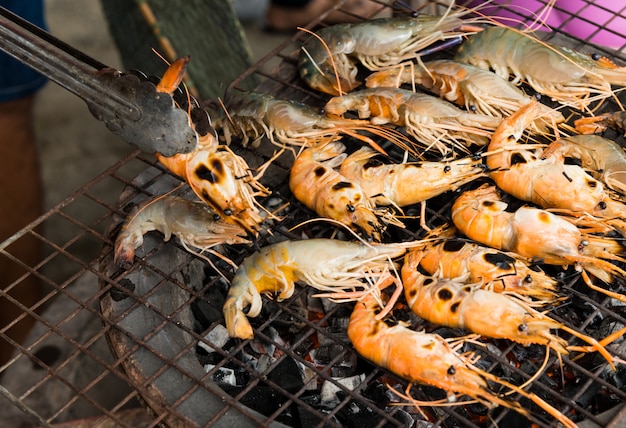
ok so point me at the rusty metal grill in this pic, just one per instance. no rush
(110, 343)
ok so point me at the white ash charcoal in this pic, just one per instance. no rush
(392, 397)
(276, 206)
(309, 377)
(223, 375)
(328, 304)
(329, 391)
(261, 347)
(218, 336)
(315, 304)
(250, 360)
(610, 326)
(263, 363)
(324, 354)
(345, 366)
(337, 330)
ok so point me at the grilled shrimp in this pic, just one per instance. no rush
(432, 121)
(454, 257)
(603, 158)
(479, 91)
(429, 359)
(454, 303)
(535, 233)
(194, 223)
(252, 115)
(407, 183)
(325, 264)
(591, 125)
(328, 61)
(217, 176)
(223, 180)
(314, 182)
(544, 178)
(567, 76)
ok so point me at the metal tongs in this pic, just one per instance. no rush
(128, 104)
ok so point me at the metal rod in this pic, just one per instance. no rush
(74, 71)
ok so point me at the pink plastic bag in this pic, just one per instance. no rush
(600, 22)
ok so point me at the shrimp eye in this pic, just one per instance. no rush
(350, 208)
(472, 108)
(228, 212)
(216, 217)
(528, 279)
(451, 370)
(414, 14)
(595, 56)
(602, 205)
(322, 111)
(447, 168)
(522, 327)
(537, 96)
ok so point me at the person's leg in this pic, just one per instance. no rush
(20, 203)
(21, 197)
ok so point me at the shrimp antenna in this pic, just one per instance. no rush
(336, 223)
(330, 55)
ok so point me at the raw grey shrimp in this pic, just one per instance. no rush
(407, 183)
(603, 158)
(544, 178)
(253, 115)
(328, 265)
(315, 182)
(429, 359)
(483, 216)
(328, 61)
(478, 90)
(433, 122)
(567, 76)
(451, 256)
(194, 223)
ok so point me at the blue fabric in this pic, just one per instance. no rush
(16, 79)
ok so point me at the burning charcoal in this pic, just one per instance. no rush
(328, 305)
(309, 377)
(329, 391)
(356, 414)
(407, 420)
(261, 398)
(513, 419)
(324, 354)
(315, 304)
(287, 375)
(615, 377)
(336, 330)
(205, 314)
(263, 362)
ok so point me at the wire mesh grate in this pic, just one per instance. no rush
(109, 343)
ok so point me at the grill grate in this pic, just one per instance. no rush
(108, 342)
